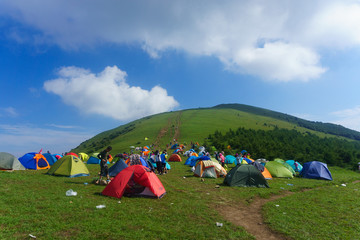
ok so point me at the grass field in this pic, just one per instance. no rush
(35, 203)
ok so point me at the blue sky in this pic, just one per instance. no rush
(72, 69)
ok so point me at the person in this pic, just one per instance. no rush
(238, 158)
(222, 158)
(157, 160)
(163, 162)
(104, 169)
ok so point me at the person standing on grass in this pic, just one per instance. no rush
(157, 160)
(163, 162)
(222, 158)
(104, 169)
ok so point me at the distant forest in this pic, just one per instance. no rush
(329, 128)
(287, 145)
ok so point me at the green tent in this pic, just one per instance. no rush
(277, 169)
(69, 166)
(245, 176)
(279, 160)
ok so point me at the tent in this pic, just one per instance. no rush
(245, 176)
(230, 159)
(135, 180)
(10, 162)
(174, 158)
(71, 153)
(277, 169)
(295, 165)
(117, 167)
(69, 166)
(34, 161)
(83, 156)
(93, 160)
(50, 158)
(191, 161)
(208, 168)
(316, 170)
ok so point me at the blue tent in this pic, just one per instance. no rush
(50, 158)
(247, 160)
(144, 163)
(94, 160)
(117, 167)
(174, 146)
(191, 161)
(316, 170)
(230, 159)
(34, 161)
(295, 165)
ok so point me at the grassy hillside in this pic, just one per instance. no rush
(316, 126)
(189, 125)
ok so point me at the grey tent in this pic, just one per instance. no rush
(245, 175)
(10, 162)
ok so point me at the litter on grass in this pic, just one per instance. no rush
(100, 206)
(218, 224)
(70, 192)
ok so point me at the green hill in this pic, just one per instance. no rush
(197, 125)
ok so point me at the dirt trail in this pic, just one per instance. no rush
(250, 217)
(175, 122)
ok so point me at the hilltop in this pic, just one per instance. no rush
(196, 125)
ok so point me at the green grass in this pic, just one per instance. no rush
(35, 203)
(191, 125)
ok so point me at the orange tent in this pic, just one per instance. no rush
(174, 158)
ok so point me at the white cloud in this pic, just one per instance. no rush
(108, 93)
(21, 139)
(8, 112)
(293, 32)
(349, 118)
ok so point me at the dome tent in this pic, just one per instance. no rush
(35, 161)
(135, 180)
(245, 175)
(69, 166)
(10, 162)
(316, 170)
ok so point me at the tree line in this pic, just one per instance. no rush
(287, 144)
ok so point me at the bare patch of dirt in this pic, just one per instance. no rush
(250, 217)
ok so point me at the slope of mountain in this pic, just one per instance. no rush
(195, 125)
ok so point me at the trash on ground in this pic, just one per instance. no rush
(100, 206)
(71, 192)
(32, 236)
(277, 205)
(219, 224)
(344, 185)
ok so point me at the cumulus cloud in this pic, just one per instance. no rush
(293, 32)
(108, 93)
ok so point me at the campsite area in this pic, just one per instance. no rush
(35, 205)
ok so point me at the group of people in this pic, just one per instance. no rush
(160, 160)
(156, 157)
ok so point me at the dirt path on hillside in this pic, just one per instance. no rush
(250, 217)
(175, 122)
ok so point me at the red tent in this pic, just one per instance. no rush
(135, 180)
(174, 158)
(71, 153)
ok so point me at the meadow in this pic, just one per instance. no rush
(35, 204)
